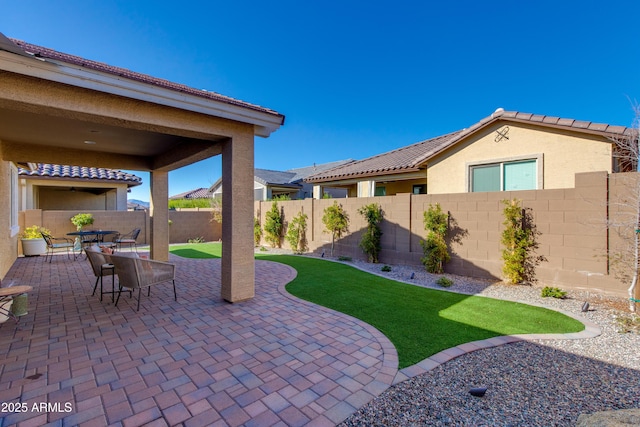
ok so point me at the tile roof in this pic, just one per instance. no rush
(44, 52)
(302, 173)
(271, 177)
(411, 158)
(404, 159)
(46, 170)
(198, 193)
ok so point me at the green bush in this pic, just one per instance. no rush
(385, 268)
(549, 292)
(336, 222)
(82, 219)
(434, 247)
(370, 242)
(297, 233)
(344, 258)
(257, 231)
(34, 232)
(629, 324)
(445, 282)
(196, 240)
(189, 203)
(273, 225)
(519, 241)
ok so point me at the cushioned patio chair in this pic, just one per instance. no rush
(137, 273)
(56, 243)
(127, 239)
(101, 267)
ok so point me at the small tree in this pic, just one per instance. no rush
(625, 258)
(273, 225)
(434, 247)
(370, 242)
(297, 233)
(257, 231)
(336, 222)
(216, 213)
(519, 241)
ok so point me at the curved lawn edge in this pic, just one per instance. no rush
(591, 330)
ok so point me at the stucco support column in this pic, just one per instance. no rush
(318, 191)
(159, 215)
(238, 267)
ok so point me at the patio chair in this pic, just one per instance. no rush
(127, 239)
(55, 243)
(101, 267)
(137, 273)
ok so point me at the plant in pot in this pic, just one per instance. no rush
(32, 242)
(82, 219)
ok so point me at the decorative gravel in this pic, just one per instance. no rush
(539, 383)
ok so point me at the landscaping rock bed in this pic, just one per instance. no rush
(539, 383)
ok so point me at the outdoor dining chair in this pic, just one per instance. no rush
(137, 273)
(101, 267)
(127, 239)
(56, 243)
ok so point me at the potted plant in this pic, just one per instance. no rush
(32, 242)
(82, 219)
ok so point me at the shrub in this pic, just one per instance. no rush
(336, 222)
(273, 225)
(629, 324)
(549, 292)
(344, 258)
(434, 247)
(297, 233)
(34, 232)
(216, 205)
(445, 282)
(82, 219)
(189, 203)
(196, 240)
(370, 242)
(257, 231)
(385, 268)
(519, 240)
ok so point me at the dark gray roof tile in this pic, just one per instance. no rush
(46, 170)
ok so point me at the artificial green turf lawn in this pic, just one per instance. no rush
(419, 322)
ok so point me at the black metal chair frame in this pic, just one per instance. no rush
(52, 246)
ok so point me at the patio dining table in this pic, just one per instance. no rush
(98, 236)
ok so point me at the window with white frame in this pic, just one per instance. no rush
(13, 214)
(504, 176)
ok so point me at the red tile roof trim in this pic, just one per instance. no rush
(44, 52)
(412, 158)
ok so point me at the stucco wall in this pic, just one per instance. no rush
(8, 242)
(563, 154)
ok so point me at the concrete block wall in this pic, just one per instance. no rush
(573, 236)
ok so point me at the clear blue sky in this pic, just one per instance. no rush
(357, 78)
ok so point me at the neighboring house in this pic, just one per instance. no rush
(60, 187)
(269, 183)
(198, 193)
(505, 151)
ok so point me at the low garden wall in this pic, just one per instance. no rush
(186, 224)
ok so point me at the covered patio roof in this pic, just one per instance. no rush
(63, 109)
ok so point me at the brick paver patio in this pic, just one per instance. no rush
(273, 360)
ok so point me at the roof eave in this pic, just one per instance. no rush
(57, 71)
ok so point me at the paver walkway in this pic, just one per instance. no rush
(273, 360)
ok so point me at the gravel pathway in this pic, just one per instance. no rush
(537, 383)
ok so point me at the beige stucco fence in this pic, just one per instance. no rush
(186, 224)
(573, 236)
